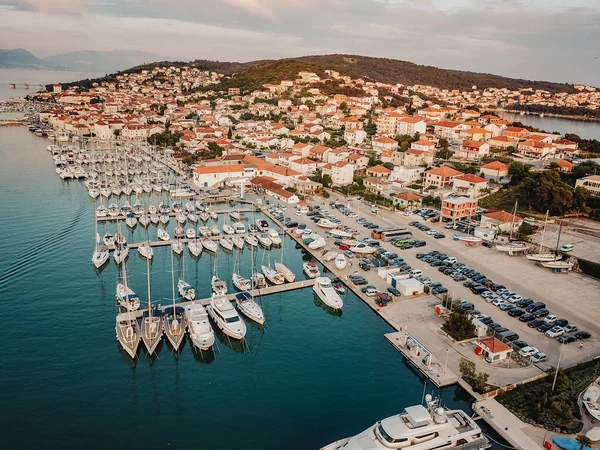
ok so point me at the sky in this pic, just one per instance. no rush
(532, 39)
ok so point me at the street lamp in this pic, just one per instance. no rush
(446, 363)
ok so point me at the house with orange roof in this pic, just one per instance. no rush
(414, 158)
(447, 129)
(423, 144)
(217, 175)
(516, 133)
(458, 208)
(566, 146)
(378, 172)
(535, 149)
(564, 166)
(304, 166)
(301, 149)
(495, 170)
(360, 162)
(319, 152)
(501, 220)
(378, 186)
(475, 134)
(492, 349)
(501, 142)
(441, 176)
(469, 184)
(473, 150)
(411, 125)
(384, 143)
(355, 136)
(407, 200)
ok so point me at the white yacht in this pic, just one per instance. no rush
(419, 428)
(93, 192)
(251, 240)
(101, 211)
(317, 243)
(204, 231)
(126, 298)
(287, 273)
(259, 281)
(340, 261)
(311, 270)
(100, 257)
(238, 241)
(513, 247)
(327, 293)
(330, 255)
(363, 248)
(213, 215)
(192, 217)
(226, 317)
(272, 275)
(235, 215)
(108, 240)
(190, 233)
(241, 283)
(239, 228)
(113, 210)
(340, 233)
(164, 219)
(177, 247)
(163, 235)
(144, 220)
(219, 287)
(274, 236)
(195, 247)
(264, 240)
(249, 307)
(152, 329)
(186, 290)
(199, 328)
(120, 254)
(131, 221)
(228, 229)
(326, 223)
(226, 243)
(209, 245)
(214, 230)
(262, 225)
(179, 232)
(204, 216)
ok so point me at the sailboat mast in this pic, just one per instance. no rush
(544, 231)
(148, 273)
(173, 283)
(558, 240)
(512, 221)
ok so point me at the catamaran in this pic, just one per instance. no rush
(327, 293)
(152, 324)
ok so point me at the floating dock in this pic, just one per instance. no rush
(231, 297)
(172, 214)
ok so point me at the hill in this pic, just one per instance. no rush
(20, 58)
(252, 75)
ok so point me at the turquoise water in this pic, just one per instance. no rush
(309, 378)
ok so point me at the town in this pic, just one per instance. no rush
(392, 168)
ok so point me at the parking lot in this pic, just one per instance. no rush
(572, 296)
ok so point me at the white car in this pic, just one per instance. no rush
(491, 298)
(528, 351)
(499, 302)
(298, 213)
(408, 213)
(539, 357)
(570, 328)
(550, 319)
(555, 332)
(486, 294)
(566, 248)
(450, 259)
(431, 232)
(515, 298)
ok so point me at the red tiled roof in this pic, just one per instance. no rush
(503, 216)
(470, 178)
(495, 165)
(444, 171)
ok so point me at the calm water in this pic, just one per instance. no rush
(309, 379)
(38, 77)
(585, 130)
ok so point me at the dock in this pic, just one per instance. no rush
(285, 287)
(172, 214)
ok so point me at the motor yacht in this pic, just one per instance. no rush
(239, 228)
(226, 317)
(311, 270)
(341, 261)
(272, 275)
(363, 248)
(228, 229)
(251, 240)
(274, 236)
(218, 286)
(163, 235)
(262, 225)
(264, 240)
(419, 428)
(186, 290)
(241, 283)
(199, 328)
(326, 223)
(326, 292)
(204, 231)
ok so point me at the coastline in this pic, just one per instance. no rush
(555, 116)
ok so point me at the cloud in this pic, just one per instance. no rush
(541, 39)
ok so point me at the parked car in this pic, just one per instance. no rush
(528, 351)
(535, 323)
(518, 345)
(581, 335)
(541, 313)
(516, 312)
(439, 290)
(570, 328)
(555, 332)
(551, 319)
(566, 339)
(506, 306)
(539, 357)
(527, 317)
(392, 290)
(544, 327)
(561, 323)
(566, 248)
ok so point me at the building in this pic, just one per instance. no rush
(360, 162)
(233, 91)
(378, 186)
(447, 129)
(209, 176)
(516, 133)
(384, 144)
(304, 166)
(469, 184)
(501, 221)
(492, 349)
(441, 176)
(414, 157)
(410, 287)
(378, 172)
(494, 170)
(564, 166)
(407, 200)
(406, 175)
(591, 183)
(411, 126)
(458, 208)
(473, 150)
(501, 142)
(341, 173)
(355, 137)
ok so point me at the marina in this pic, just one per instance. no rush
(257, 373)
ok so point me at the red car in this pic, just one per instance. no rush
(344, 247)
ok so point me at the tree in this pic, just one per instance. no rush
(444, 153)
(524, 230)
(388, 165)
(326, 180)
(444, 143)
(477, 380)
(584, 441)
(467, 368)
(518, 171)
(459, 326)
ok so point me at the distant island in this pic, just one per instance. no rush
(82, 61)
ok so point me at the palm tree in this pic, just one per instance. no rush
(584, 441)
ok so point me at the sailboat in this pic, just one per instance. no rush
(195, 247)
(183, 287)
(241, 283)
(226, 243)
(282, 268)
(248, 306)
(177, 246)
(238, 242)
(218, 286)
(122, 251)
(145, 250)
(125, 296)
(274, 236)
(100, 257)
(516, 246)
(272, 275)
(251, 240)
(152, 324)
(126, 328)
(173, 317)
(209, 245)
(163, 235)
(547, 256)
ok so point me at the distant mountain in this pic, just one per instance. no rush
(83, 61)
(20, 58)
(98, 61)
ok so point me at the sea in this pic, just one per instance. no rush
(304, 380)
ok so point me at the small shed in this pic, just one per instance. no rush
(492, 349)
(410, 287)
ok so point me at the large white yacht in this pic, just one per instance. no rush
(226, 317)
(419, 428)
(199, 328)
(326, 292)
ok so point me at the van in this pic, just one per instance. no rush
(415, 273)
(535, 307)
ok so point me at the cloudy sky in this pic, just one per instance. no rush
(536, 39)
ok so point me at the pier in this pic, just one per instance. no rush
(285, 287)
(172, 214)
